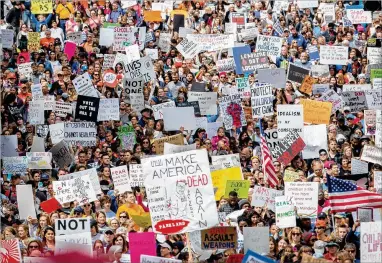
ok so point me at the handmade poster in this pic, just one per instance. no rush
(7, 36)
(256, 239)
(10, 251)
(378, 129)
(15, 165)
(227, 161)
(316, 112)
(8, 145)
(73, 235)
(371, 250)
(165, 42)
(303, 195)
(307, 85)
(108, 109)
(142, 68)
(365, 214)
(152, 259)
(219, 238)
(290, 176)
(232, 111)
(272, 138)
(374, 55)
(253, 61)
(263, 196)
(262, 100)
(331, 96)
(93, 175)
(110, 79)
(285, 213)
(75, 37)
(355, 100)
(79, 189)
(251, 256)
(80, 133)
(188, 48)
(372, 154)
(180, 192)
(314, 140)
(123, 37)
(41, 7)
(194, 104)
(319, 71)
(39, 160)
(220, 178)
(62, 109)
(127, 136)
(172, 148)
(158, 109)
(373, 99)
(328, 11)
(141, 244)
(33, 42)
(274, 76)
(358, 166)
(241, 187)
(38, 144)
(296, 73)
(288, 147)
(121, 180)
(289, 118)
(270, 44)
(225, 65)
(207, 101)
(243, 87)
(136, 175)
(25, 201)
(378, 181)
(174, 139)
(62, 155)
(359, 16)
(25, 69)
(84, 86)
(87, 108)
(212, 42)
(181, 117)
(337, 55)
(108, 61)
(36, 112)
(356, 87)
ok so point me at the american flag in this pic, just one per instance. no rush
(267, 163)
(345, 196)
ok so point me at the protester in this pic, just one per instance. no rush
(135, 128)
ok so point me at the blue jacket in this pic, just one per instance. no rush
(301, 42)
(38, 24)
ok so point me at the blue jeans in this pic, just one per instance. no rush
(26, 16)
(62, 25)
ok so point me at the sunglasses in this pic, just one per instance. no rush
(122, 216)
(296, 234)
(87, 205)
(351, 251)
(320, 227)
(33, 246)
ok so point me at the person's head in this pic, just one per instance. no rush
(323, 155)
(295, 235)
(351, 249)
(23, 231)
(165, 249)
(233, 198)
(130, 197)
(9, 233)
(48, 235)
(120, 240)
(109, 235)
(332, 248)
(34, 246)
(342, 231)
(101, 217)
(220, 132)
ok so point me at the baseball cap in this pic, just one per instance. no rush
(322, 151)
(319, 246)
(44, 177)
(78, 209)
(340, 215)
(320, 223)
(109, 232)
(332, 244)
(347, 108)
(321, 215)
(166, 245)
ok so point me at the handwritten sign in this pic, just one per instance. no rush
(358, 16)
(42, 7)
(285, 213)
(316, 112)
(263, 196)
(337, 55)
(33, 41)
(219, 238)
(241, 187)
(304, 195)
(371, 251)
(120, 177)
(256, 239)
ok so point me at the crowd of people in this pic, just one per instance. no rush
(330, 236)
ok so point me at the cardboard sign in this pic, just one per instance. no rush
(25, 201)
(232, 111)
(165, 42)
(108, 109)
(70, 49)
(309, 259)
(256, 239)
(87, 108)
(152, 16)
(42, 7)
(220, 178)
(296, 73)
(288, 148)
(50, 205)
(62, 155)
(158, 109)
(8, 145)
(219, 238)
(82, 133)
(181, 117)
(337, 55)
(10, 250)
(289, 118)
(307, 85)
(142, 244)
(241, 187)
(371, 154)
(142, 68)
(207, 101)
(285, 213)
(316, 112)
(243, 87)
(121, 180)
(263, 196)
(359, 16)
(33, 41)
(175, 139)
(136, 175)
(370, 234)
(84, 86)
(304, 195)
(39, 160)
(274, 76)
(355, 100)
(262, 100)
(174, 184)
(108, 61)
(290, 176)
(253, 61)
(172, 148)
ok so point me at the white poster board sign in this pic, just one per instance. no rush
(285, 213)
(304, 195)
(263, 196)
(121, 180)
(25, 201)
(289, 117)
(337, 55)
(371, 250)
(256, 239)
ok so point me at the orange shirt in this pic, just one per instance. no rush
(45, 42)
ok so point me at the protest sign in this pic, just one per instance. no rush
(120, 176)
(306, 258)
(194, 104)
(109, 78)
(315, 139)
(239, 186)
(133, 86)
(285, 213)
(378, 181)
(328, 11)
(75, 37)
(25, 201)
(25, 69)
(296, 73)
(271, 45)
(319, 71)
(232, 111)
(8, 145)
(314, 54)
(78, 189)
(73, 235)
(188, 48)
(337, 55)
(39, 160)
(375, 73)
(256, 239)
(272, 138)
(142, 68)
(10, 251)
(62, 155)
(82, 133)
(127, 136)
(37, 92)
(165, 42)
(42, 130)
(50, 103)
(374, 55)
(136, 175)
(181, 117)
(378, 129)
(227, 64)
(132, 54)
(248, 34)
(152, 53)
(143, 220)
(262, 100)
(373, 99)
(198, 86)
(316, 112)
(175, 185)
(15, 165)
(7, 36)
(356, 87)
(141, 244)
(364, 214)
(33, 41)
(358, 16)
(61, 109)
(358, 166)
(304, 195)
(172, 148)
(239, 19)
(274, 76)
(70, 49)
(175, 139)
(123, 36)
(137, 102)
(84, 86)
(371, 251)
(212, 42)
(87, 108)
(288, 147)
(251, 256)
(108, 109)
(307, 85)
(106, 36)
(331, 96)
(355, 100)
(41, 7)
(370, 117)
(152, 259)
(36, 112)
(372, 154)
(289, 117)
(220, 178)
(38, 144)
(227, 161)
(290, 176)
(243, 87)
(93, 175)
(207, 101)
(263, 196)
(219, 238)
(252, 61)
(108, 61)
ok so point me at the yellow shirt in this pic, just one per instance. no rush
(63, 12)
(133, 210)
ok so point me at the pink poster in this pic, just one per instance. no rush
(26, 57)
(70, 49)
(141, 243)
